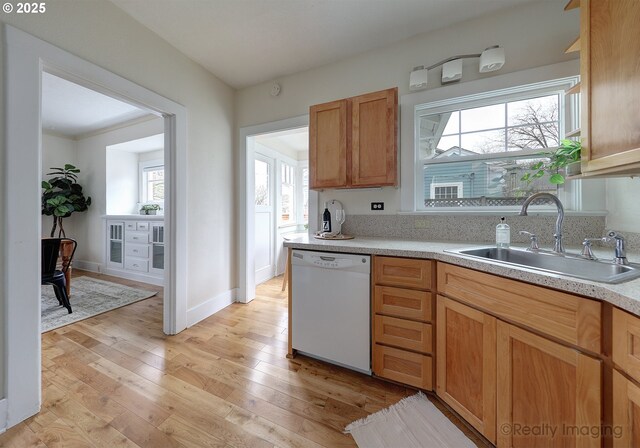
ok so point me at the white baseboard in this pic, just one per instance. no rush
(90, 266)
(3, 415)
(211, 306)
(134, 276)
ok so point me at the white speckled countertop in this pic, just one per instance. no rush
(624, 295)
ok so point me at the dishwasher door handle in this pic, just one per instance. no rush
(328, 258)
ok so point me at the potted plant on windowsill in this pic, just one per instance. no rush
(149, 209)
(564, 161)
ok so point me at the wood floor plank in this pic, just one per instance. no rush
(117, 380)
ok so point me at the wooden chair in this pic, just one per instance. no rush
(50, 274)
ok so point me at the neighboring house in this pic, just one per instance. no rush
(475, 179)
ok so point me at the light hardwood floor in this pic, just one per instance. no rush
(115, 380)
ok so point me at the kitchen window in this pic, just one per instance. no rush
(471, 152)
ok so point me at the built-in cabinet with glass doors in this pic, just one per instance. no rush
(135, 249)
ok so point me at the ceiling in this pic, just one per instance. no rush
(72, 110)
(146, 144)
(296, 140)
(245, 42)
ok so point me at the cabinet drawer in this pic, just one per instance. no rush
(136, 237)
(402, 366)
(130, 225)
(137, 250)
(402, 333)
(626, 342)
(403, 272)
(570, 318)
(406, 303)
(136, 264)
(142, 226)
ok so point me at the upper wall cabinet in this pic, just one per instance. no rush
(353, 142)
(610, 86)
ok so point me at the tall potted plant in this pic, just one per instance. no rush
(62, 196)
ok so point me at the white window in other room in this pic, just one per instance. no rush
(287, 194)
(152, 182)
(473, 151)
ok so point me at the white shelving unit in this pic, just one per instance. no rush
(135, 248)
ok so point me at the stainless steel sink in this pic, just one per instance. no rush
(598, 271)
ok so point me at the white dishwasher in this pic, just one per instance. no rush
(330, 307)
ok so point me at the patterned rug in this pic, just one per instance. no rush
(89, 297)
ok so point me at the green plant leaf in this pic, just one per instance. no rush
(556, 179)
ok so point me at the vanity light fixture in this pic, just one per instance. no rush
(491, 59)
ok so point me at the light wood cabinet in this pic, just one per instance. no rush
(625, 428)
(575, 320)
(509, 360)
(353, 142)
(626, 343)
(466, 364)
(549, 395)
(625, 425)
(403, 366)
(328, 145)
(610, 86)
(402, 342)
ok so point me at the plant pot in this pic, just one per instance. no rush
(574, 168)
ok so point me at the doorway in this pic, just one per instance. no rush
(281, 196)
(26, 57)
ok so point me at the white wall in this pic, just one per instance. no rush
(56, 152)
(103, 34)
(122, 187)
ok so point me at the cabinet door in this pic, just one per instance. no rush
(374, 139)
(626, 412)
(466, 364)
(626, 343)
(610, 85)
(157, 248)
(115, 244)
(549, 395)
(328, 145)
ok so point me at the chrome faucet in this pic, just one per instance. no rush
(620, 254)
(557, 246)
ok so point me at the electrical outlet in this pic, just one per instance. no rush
(377, 206)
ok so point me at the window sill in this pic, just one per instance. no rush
(506, 212)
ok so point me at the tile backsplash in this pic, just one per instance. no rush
(477, 229)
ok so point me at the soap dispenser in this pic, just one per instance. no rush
(503, 234)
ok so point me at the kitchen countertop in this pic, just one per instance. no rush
(623, 295)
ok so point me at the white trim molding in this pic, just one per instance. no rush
(3, 415)
(90, 266)
(211, 306)
(246, 192)
(25, 59)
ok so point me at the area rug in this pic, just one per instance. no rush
(89, 297)
(412, 422)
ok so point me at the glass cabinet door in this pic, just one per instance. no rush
(157, 246)
(116, 252)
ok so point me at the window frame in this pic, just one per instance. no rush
(568, 115)
(144, 167)
(578, 196)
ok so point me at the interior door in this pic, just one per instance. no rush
(264, 218)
